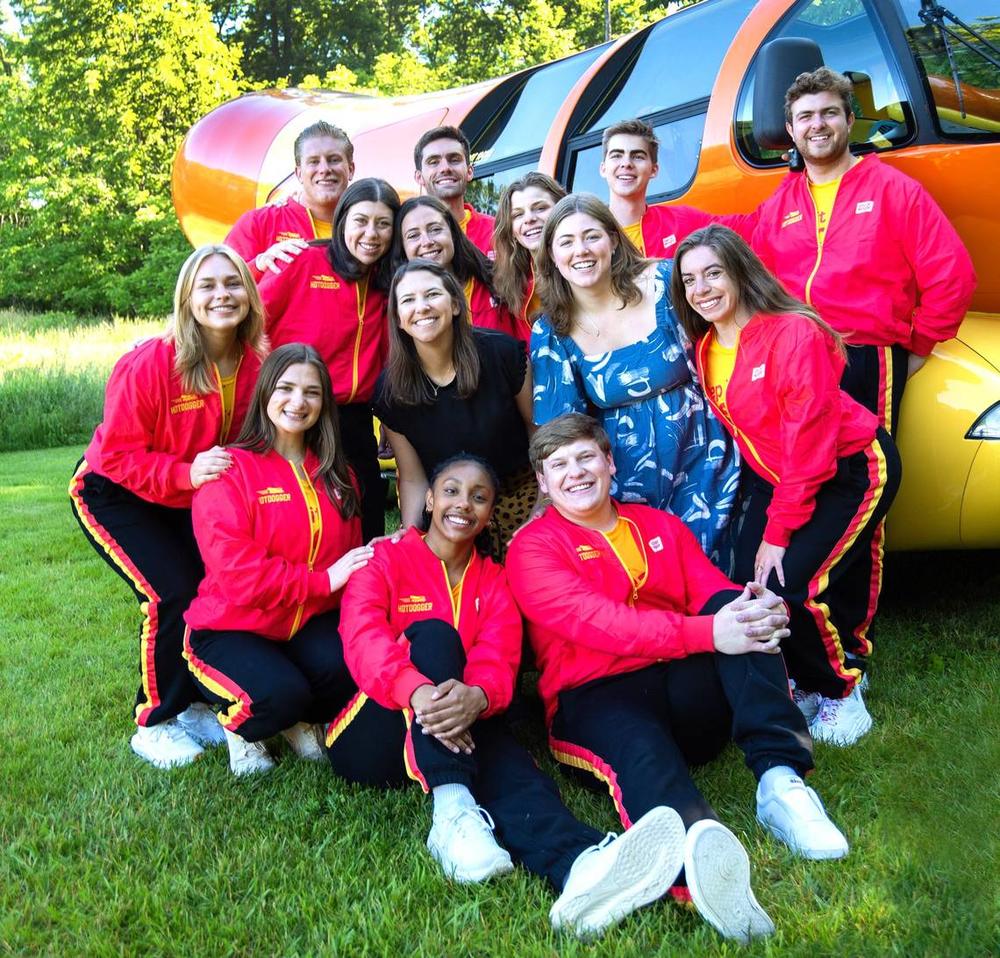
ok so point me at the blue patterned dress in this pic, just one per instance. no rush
(669, 449)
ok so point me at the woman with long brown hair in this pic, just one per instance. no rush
(609, 344)
(333, 297)
(280, 535)
(524, 207)
(820, 474)
(171, 404)
(449, 388)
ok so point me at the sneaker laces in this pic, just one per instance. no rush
(170, 730)
(829, 709)
(473, 817)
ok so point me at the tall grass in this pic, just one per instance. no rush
(53, 368)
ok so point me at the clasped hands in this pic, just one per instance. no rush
(447, 712)
(755, 621)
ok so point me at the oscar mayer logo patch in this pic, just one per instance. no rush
(586, 552)
(273, 494)
(323, 281)
(791, 218)
(669, 241)
(414, 603)
(866, 206)
(186, 403)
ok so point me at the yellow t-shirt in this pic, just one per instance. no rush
(630, 553)
(718, 371)
(823, 195)
(634, 233)
(228, 384)
(321, 229)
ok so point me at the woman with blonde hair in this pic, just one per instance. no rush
(171, 404)
(609, 344)
(524, 207)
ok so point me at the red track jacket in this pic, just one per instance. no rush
(407, 583)
(479, 229)
(788, 414)
(257, 230)
(576, 597)
(892, 269)
(152, 429)
(265, 556)
(308, 303)
(664, 227)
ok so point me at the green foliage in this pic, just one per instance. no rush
(102, 94)
(104, 855)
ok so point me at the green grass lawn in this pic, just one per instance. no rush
(100, 854)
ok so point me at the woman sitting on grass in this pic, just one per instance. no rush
(171, 403)
(280, 534)
(432, 636)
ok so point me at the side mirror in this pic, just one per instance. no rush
(778, 63)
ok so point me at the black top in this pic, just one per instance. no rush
(487, 424)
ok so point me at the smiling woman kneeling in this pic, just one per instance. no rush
(280, 535)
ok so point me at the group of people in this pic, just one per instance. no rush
(649, 446)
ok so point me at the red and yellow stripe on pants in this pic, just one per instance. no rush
(153, 549)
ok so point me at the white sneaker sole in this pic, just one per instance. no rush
(501, 864)
(718, 876)
(649, 857)
(161, 761)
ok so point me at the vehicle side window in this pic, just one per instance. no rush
(851, 45)
(962, 70)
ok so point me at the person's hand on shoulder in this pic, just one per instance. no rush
(283, 251)
(209, 465)
(347, 565)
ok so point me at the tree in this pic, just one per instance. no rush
(104, 93)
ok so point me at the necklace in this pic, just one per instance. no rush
(589, 327)
(435, 386)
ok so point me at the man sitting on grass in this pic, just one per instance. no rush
(651, 660)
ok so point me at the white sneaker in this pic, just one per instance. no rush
(794, 814)
(201, 723)
(247, 758)
(464, 846)
(841, 721)
(610, 880)
(718, 877)
(165, 745)
(808, 702)
(305, 741)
